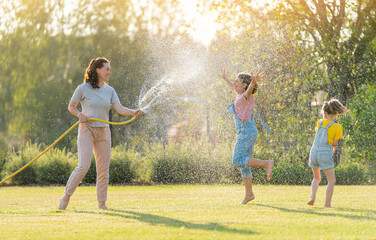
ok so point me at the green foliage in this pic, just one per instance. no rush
(358, 123)
(2, 162)
(351, 174)
(91, 175)
(189, 163)
(121, 170)
(197, 163)
(174, 163)
(300, 74)
(291, 174)
(19, 158)
(54, 167)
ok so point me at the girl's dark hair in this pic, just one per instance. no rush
(334, 106)
(91, 75)
(246, 78)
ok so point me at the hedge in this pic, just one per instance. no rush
(174, 163)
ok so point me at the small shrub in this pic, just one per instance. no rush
(91, 175)
(3, 157)
(223, 170)
(173, 169)
(17, 159)
(55, 167)
(351, 174)
(188, 163)
(233, 174)
(120, 167)
(121, 170)
(291, 174)
(211, 170)
(191, 163)
(259, 175)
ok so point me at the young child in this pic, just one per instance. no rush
(245, 86)
(324, 146)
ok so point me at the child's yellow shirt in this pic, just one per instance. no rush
(334, 131)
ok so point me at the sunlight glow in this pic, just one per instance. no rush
(203, 26)
(200, 23)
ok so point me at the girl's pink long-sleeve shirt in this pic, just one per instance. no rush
(244, 107)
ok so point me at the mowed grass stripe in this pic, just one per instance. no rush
(188, 212)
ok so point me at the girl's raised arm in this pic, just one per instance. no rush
(255, 78)
(222, 75)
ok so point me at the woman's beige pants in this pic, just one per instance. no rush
(97, 140)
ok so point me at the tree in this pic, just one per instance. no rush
(340, 33)
(337, 35)
(44, 51)
(359, 123)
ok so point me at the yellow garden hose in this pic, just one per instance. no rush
(61, 137)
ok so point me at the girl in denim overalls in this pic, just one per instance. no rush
(244, 87)
(328, 133)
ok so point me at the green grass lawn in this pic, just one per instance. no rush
(188, 212)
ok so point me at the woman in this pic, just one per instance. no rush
(96, 98)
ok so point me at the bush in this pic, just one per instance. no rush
(2, 163)
(351, 174)
(54, 167)
(359, 124)
(17, 159)
(347, 174)
(224, 170)
(192, 163)
(91, 175)
(291, 174)
(120, 167)
(174, 164)
(189, 163)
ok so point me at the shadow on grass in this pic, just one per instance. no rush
(355, 210)
(170, 222)
(314, 212)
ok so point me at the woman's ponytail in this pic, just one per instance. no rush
(91, 75)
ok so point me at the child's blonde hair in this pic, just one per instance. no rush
(334, 106)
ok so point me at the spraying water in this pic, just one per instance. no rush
(147, 99)
(185, 74)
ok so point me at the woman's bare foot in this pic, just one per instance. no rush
(102, 205)
(311, 202)
(248, 199)
(269, 169)
(64, 202)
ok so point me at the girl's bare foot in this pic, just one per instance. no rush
(269, 169)
(248, 199)
(311, 202)
(64, 202)
(102, 205)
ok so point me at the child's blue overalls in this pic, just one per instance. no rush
(321, 152)
(246, 139)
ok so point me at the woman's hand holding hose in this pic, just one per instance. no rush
(83, 118)
(138, 113)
